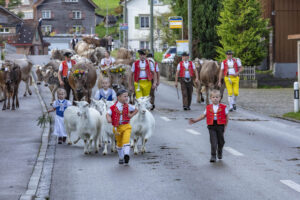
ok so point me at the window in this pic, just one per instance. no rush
(4, 30)
(46, 29)
(46, 14)
(144, 45)
(76, 14)
(71, 0)
(25, 2)
(157, 2)
(77, 28)
(28, 15)
(144, 22)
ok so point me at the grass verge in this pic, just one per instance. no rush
(292, 115)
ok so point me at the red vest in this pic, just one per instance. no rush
(65, 67)
(235, 66)
(221, 114)
(116, 114)
(137, 71)
(182, 69)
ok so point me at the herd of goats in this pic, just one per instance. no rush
(88, 54)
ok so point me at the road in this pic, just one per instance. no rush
(261, 161)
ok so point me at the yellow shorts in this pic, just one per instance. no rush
(123, 134)
(232, 85)
(142, 88)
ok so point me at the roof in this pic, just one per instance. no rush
(39, 2)
(11, 13)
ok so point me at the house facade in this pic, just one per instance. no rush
(139, 23)
(66, 17)
(27, 8)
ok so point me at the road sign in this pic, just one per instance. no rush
(175, 22)
(124, 27)
(182, 46)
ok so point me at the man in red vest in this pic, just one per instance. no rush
(216, 118)
(142, 73)
(64, 71)
(186, 71)
(230, 70)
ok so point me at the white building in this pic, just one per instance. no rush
(139, 23)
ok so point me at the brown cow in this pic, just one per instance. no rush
(82, 79)
(209, 74)
(10, 78)
(26, 67)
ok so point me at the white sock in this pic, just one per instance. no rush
(234, 99)
(230, 99)
(120, 152)
(126, 148)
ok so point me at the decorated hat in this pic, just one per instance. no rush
(149, 55)
(185, 54)
(229, 52)
(141, 52)
(68, 54)
(121, 91)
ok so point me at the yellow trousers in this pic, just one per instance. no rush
(122, 134)
(232, 85)
(142, 88)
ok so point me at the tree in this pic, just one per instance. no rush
(205, 19)
(2, 3)
(14, 3)
(243, 30)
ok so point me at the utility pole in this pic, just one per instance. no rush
(152, 28)
(190, 28)
(106, 18)
(125, 20)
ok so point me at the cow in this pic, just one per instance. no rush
(82, 79)
(57, 54)
(26, 67)
(10, 78)
(209, 77)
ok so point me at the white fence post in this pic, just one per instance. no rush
(296, 97)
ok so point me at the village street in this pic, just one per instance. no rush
(261, 158)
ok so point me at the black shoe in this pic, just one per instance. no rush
(126, 158)
(60, 140)
(220, 156)
(185, 108)
(153, 107)
(213, 159)
(230, 110)
(121, 161)
(64, 139)
(234, 107)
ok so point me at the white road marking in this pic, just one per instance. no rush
(193, 132)
(291, 184)
(233, 151)
(165, 118)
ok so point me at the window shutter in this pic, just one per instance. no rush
(137, 22)
(52, 15)
(82, 15)
(71, 15)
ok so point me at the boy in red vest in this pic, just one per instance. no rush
(142, 73)
(217, 119)
(64, 71)
(186, 71)
(119, 115)
(231, 69)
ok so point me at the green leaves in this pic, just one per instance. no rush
(43, 120)
(243, 30)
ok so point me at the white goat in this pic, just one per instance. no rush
(107, 129)
(143, 123)
(88, 124)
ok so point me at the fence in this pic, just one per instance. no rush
(247, 77)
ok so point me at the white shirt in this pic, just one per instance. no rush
(107, 62)
(143, 67)
(186, 65)
(215, 108)
(230, 63)
(69, 67)
(119, 105)
(97, 95)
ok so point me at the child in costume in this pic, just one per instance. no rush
(119, 115)
(60, 105)
(217, 119)
(106, 92)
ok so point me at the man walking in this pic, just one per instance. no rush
(230, 70)
(64, 71)
(73, 42)
(186, 71)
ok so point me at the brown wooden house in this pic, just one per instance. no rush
(284, 18)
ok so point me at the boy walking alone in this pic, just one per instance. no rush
(217, 119)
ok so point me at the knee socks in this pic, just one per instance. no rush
(120, 152)
(126, 148)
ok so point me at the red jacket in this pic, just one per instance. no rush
(65, 67)
(221, 114)
(235, 66)
(182, 69)
(116, 114)
(137, 71)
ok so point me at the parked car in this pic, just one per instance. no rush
(169, 55)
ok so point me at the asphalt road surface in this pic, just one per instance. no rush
(260, 161)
